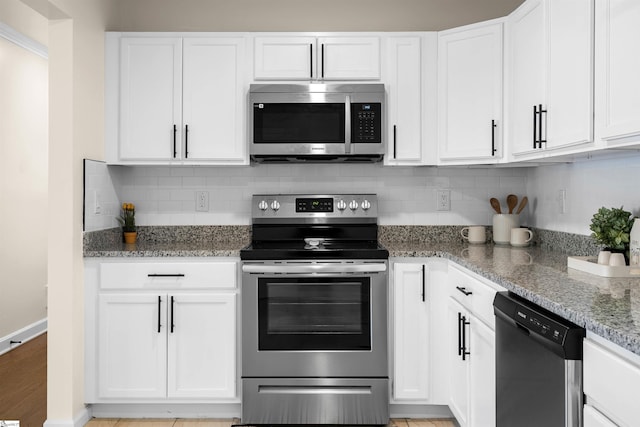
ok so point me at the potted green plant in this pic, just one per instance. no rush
(611, 228)
(127, 220)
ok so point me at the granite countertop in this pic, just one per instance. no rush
(609, 307)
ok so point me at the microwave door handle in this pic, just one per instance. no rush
(347, 125)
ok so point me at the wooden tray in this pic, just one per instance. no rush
(590, 265)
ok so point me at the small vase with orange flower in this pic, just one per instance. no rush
(127, 220)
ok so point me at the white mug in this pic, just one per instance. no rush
(474, 234)
(520, 236)
(603, 257)
(617, 260)
(502, 225)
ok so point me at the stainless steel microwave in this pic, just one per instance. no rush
(316, 122)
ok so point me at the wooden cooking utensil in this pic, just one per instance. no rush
(512, 201)
(523, 203)
(495, 204)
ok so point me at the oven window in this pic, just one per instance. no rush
(298, 123)
(314, 313)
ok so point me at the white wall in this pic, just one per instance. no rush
(407, 195)
(23, 170)
(589, 185)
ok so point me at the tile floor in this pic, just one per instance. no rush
(96, 422)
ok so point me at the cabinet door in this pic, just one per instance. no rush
(618, 68)
(132, 340)
(404, 88)
(570, 73)
(284, 58)
(150, 98)
(410, 333)
(470, 93)
(202, 345)
(349, 58)
(213, 99)
(593, 418)
(457, 324)
(527, 72)
(482, 369)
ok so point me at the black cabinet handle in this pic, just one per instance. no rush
(172, 303)
(459, 334)
(395, 130)
(464, 290)
(493, 138)
(423, 283)
(175, 130)
(311, 60)
(159, 308)
(322, 60)
(541, 140)
(535, 127)
(166, 275)
(186, 141)
(464, 338)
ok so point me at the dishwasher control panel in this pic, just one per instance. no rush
(540, 324)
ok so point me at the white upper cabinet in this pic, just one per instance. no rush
(213, 99)
(150, 97)
(550, 77)
(618, 71)
(175, 100)
(410, 74)
(470, 93)
(294, 57)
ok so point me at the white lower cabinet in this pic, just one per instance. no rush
(471, 349)
(410, 332)
(611, 384)
(168, 336)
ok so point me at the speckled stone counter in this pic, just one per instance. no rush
(609, 307)
(170, 241)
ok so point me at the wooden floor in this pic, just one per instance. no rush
(23, 395)
(402, 422)
(23, 383)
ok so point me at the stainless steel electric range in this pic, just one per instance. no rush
(314, 312)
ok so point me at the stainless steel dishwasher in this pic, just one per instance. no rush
(538, 366)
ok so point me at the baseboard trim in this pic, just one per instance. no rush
(22, 336)
(419, 411)
(165, 410)
(79, 420)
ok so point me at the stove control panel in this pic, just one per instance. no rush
(317, 207)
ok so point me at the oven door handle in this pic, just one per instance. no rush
(378, 267)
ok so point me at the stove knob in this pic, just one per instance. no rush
(275, 205)
(366, 205)
(353, 205)
(342, 205)
(263, 205)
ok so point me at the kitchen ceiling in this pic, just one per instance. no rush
(303, 15)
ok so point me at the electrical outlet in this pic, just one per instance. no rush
(97, 206)
(443, 200)
(202, 201)
(562, 201)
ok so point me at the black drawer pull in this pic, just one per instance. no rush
(159, 308)
(464, 290)
(165, 275)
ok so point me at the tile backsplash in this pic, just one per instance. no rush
(165, 195)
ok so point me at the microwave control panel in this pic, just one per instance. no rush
(366, 122)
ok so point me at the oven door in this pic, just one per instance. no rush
(314, 319)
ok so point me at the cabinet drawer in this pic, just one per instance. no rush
(593, 418)
(612, 384)
(197, 275)
(474, 295)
